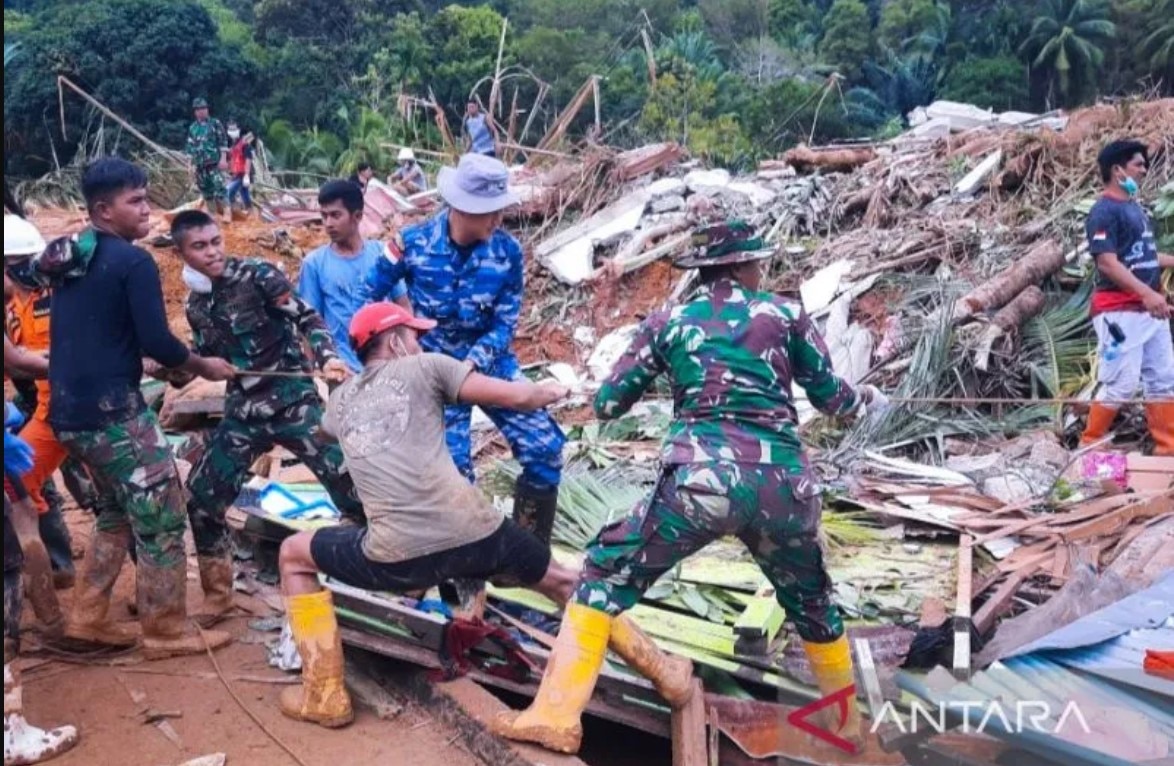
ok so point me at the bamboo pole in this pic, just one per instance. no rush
(494, 91)
(169, 153)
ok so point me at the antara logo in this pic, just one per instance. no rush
(841, 699)
(1029, 715)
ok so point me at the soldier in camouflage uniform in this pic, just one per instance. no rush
(732, 465)
(207, 149)
(245, 310)
(463, 271)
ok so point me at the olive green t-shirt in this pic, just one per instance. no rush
(389, 420)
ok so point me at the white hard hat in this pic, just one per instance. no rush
(406, 154)
(21, 238)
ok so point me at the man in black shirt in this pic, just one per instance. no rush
(108, 314)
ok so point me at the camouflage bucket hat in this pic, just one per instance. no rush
(723, 244)
(199, 103)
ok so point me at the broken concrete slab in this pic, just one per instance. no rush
(568, 254)
(666, 187)
(666, 204)
(707, 181)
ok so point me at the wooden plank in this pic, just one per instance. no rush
(1118, 520)
(962, 621)
(997, 604)
(1027, 555)
(690, 744)
(762, 617)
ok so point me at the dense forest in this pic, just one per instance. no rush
(330, 83)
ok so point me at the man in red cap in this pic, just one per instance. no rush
(425, 522)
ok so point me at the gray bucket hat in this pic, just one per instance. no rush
(477, 185)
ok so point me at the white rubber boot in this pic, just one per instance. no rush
(23, 742)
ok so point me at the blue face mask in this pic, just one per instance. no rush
(1130, 187)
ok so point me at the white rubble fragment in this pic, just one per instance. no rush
(976, 179)
(666, 187)
(707, 181)
(819, 290)
(759, 195)
(609, 350)
(568, 254)
(666, 204)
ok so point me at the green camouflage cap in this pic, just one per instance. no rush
(723, 244)
(199, 103)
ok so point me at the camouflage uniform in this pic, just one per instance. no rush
(733, 463)
(475, 299)
(254, 319)
(133, 469)
(206, 141)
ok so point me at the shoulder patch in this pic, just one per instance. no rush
(393, 248)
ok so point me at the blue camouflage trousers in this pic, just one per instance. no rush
(534, 437)
(774, 510)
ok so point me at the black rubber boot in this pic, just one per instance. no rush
(534, 509)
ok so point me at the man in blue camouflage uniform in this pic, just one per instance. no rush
(465, 272)
(732, 465)
(207, 149)
(246, 311)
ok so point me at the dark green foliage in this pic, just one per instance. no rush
(997, 82)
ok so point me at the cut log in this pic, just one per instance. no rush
(1046, 258)
(805, 159)
(1026, 305)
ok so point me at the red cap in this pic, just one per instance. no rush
(374, 318)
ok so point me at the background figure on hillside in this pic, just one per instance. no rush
(465, 272)
(207, 149)
(240, 166)
(333, 276)
(480, 132)
(362, 175)
(408, 178)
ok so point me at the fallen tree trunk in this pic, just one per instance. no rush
(805, 159)
(1006, 320)
(1047, 257)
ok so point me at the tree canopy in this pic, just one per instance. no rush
(331, 83)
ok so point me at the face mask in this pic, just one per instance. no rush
(196, 282)
(234, 134)
(1130, 187)
(22, 274)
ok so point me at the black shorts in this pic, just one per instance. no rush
(510, 555)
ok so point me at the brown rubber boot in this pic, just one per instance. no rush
(88, 621)
(37, 570)
(216, 580)
(672, 676)
(1160, 416)
(1100, 419)
(322, 698)
(163, 612)
(39, 589)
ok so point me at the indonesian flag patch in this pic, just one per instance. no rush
(1100, 236)
(393, 249)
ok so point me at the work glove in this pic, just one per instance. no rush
(246, 181)
(876, 403)
(12, 417)
(18, 455)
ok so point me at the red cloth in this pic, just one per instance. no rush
(462, 635)
(1104, 301)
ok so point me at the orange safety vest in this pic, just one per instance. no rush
(28, 326)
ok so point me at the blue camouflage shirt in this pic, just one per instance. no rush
(474, 294)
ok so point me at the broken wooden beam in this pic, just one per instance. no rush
(759, 623)
(690, 743)
(1040, 262)
(806, 159)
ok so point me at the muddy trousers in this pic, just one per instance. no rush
(773, 510)
(218, 476)
(134, 473)
(13, 560)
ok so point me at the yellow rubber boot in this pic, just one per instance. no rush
(672, 676)
(552, 720)
(832, 665)
(322, 698)
(1160, 416)
(1100, 419)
